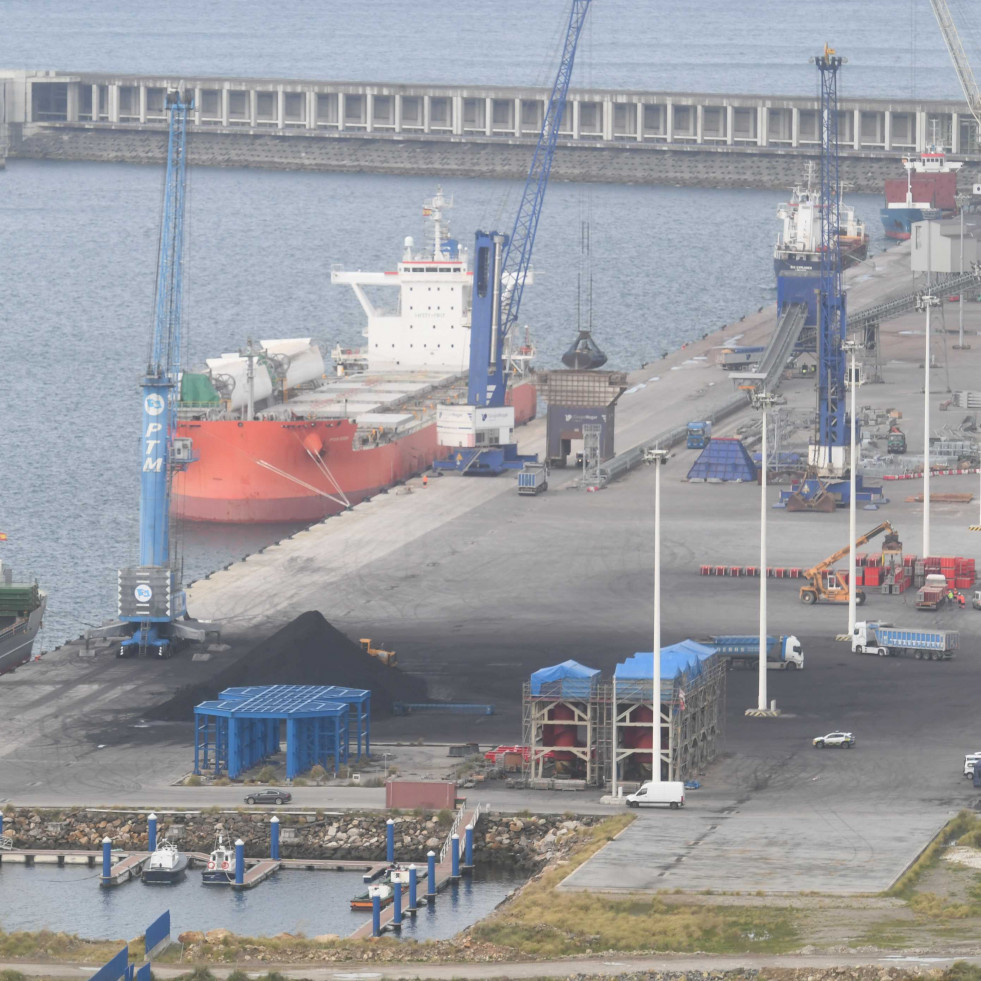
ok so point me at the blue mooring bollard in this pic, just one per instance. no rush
(390, 841)
(397, 904)
(151, 833)
(274, 838)
(455, 860)
(431, 875)
(106, 858)
(413, 881)
(376, 912)
(468, 847)
(239, 862)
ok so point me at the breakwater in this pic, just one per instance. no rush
(691, 139)
(503, 840)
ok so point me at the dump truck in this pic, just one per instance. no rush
(895, 441)
(699, 434)
(743, 651)
(889, 641)
(533, 478)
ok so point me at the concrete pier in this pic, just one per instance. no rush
(463, 130)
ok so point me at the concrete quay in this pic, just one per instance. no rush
(685, 138)
(476, 587)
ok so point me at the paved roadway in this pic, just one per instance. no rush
(476, 588)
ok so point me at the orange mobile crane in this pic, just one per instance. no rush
(825, 583)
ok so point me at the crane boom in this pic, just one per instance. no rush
(518, 255)
(842, 552)
(958, 56)
(502, 261)
(822, 582)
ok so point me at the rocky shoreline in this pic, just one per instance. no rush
(517, 842)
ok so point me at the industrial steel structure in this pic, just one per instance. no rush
(578, 727)
(242, 728)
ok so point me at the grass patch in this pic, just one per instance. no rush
(962, 824)
(542, 922)
(49, 945)
(961, 971)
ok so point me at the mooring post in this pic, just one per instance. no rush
(397, 903)
(376, 913)
(413, 881)
(239, 862)
(468, 847)
(431, 875)
(274, 838)
(151, 833)
(106, 859)
(390, 841)
(455, 860)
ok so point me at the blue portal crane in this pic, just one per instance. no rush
(152, 602)
(829, 453)
(502, 261)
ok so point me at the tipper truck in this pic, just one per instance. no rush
(888, 641)
(533, 479)
(783, 652)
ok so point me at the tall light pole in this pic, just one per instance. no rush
(926, 301)
(657, 458)
(961, 199)
(853, 482)
(761, 400)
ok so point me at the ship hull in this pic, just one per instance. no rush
(17, 642)
(267, 471)
(897, 222)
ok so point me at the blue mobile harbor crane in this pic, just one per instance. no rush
(823, 486)
(500, 271)
(152, 602)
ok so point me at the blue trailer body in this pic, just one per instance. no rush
(781, 651)
(889, 641)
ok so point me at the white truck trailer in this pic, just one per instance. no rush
(889, 641)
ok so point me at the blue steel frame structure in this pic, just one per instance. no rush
(242, 727)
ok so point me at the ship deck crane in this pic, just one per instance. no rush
(500, 272)
(823, 582)
(152, 602)
(959, 58)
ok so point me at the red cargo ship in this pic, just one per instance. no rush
(276, 438)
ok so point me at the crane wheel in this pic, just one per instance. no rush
(808, 597)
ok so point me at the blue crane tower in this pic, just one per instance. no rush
(152, 602)
(829, 453)
(502, 261)
(501, 265)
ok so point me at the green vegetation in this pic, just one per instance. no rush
(266, 775)
(192, 781)
(961, 971)
(963, 823)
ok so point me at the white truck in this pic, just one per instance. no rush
(743, 651)
(669, 792)
(889, 641)
(533, 479)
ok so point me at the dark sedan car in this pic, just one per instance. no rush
(269, 797)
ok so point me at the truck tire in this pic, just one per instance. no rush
(882, 652)
(808, 597)
(791, 665)
(674, 805)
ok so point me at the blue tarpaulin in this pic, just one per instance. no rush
(570, 679)
(683, 657)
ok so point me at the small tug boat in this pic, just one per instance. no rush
(384, 887)
(167, 865)
(220, 870)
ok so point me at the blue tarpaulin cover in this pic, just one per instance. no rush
(570, 678)
(683, 657)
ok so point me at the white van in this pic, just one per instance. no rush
(670, 792)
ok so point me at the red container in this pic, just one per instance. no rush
(873, 576)
(963, 582)
(860, 559)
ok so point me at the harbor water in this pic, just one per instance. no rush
(70, 899)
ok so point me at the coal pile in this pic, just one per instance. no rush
(307, 651)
